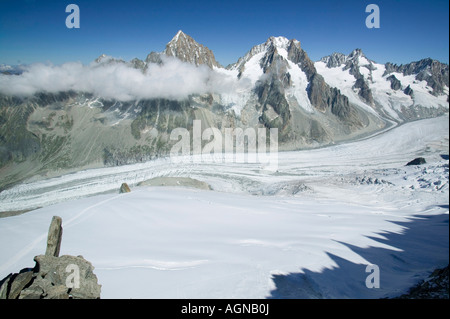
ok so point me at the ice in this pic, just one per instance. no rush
(299, 87)
(253, 70)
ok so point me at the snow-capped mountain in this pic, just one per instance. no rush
(295, 98)
(85, 122)
(406, 92)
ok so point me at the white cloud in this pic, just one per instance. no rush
(173, 79)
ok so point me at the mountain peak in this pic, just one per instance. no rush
(356, 57)
(180, 34)
(279, 42)
(101, 57)
(107, 59)
(185, 48)
(356, 52)
(334, 60)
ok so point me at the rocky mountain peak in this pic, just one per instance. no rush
(355, 59)
(185, 48)
(334, 60)
(107, 59)
(435, 73)
(101, 58)
(356, 53)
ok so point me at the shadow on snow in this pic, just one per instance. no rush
(424, 246)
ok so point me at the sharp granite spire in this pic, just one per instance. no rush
(185, 48)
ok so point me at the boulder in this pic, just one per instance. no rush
(417, 161)
(124, 188)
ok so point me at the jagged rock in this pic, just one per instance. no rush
(154, 57)
(124, 188)
(435, 73)
(80, 283)
(187, 49)
(18, 283)
(54, 237)
(57, 292)
(409, 91)
(36, 290)
(334, 60)
(53, 278)
(4, 287)
(417, 161)
(106, 59)
(137, 64)
(395, 83)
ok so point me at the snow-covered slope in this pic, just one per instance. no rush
(308, 230)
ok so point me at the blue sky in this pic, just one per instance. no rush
(35, 31)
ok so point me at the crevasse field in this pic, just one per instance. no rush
(307, 230)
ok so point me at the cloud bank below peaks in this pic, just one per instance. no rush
(173, 79)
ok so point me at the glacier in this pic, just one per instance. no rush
(307, 230)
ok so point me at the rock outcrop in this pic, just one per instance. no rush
(53, 277)
(436, 286)
(417, 161)
(54, 237)
(395, 83)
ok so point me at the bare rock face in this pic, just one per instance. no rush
(53, 277)
(187, 49)
(334, 60)
(409, 91)
(395, 83)
(417, 161)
